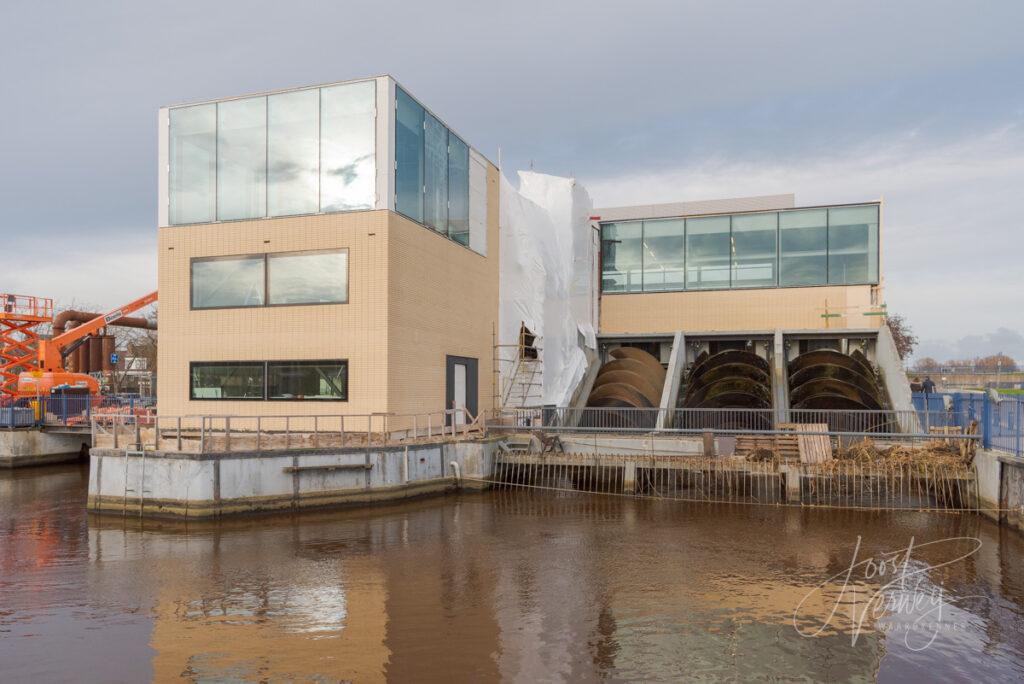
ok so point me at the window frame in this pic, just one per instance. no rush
(200, 364)
(265, 256)
(875, 282)
(266, 380)
(304, 362)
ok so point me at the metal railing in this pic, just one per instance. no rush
(1000, 422)
(74, 411)
(924, 424)
(899, 485)
(258, 434)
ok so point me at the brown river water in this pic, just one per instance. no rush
(518, 586)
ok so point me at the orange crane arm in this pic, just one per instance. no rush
(49, 350)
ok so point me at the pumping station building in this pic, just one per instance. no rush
(356, 305)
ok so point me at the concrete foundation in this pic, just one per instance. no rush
(169, 484)
(1001, 487)
(34, 447)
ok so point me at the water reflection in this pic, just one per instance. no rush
(503, 585)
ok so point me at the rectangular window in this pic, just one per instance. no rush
(708, 252)
(242, 159)
(754, 239)
(803, 245)
(409, 117)
(227, 380)
(348, 154)
(664, 249)
(307, 380)
(435, 174)
(308, 277)
(622, 257)
(192, 179)
(227, 282)
(853, 245)
(458, 189)
(269, 380)
(293, 152)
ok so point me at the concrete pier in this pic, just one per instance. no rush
(170, 484)
(34, 447)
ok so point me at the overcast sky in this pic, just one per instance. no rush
(920, 102)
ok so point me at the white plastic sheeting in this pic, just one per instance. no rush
(548, 260)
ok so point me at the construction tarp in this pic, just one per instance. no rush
(548, 279)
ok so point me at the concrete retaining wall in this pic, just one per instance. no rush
(1001, 487)
(167, 484)
(31, 447)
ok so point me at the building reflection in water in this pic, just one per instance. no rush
(535, 586)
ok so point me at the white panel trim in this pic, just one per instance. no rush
(477, 202)
(163, 159)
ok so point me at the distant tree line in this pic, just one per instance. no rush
(980, 364)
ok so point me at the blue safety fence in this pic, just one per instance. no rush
(1000, 422)
(66, 410)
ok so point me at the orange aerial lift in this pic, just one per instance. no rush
(50, 373)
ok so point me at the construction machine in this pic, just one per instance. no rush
(50, 374)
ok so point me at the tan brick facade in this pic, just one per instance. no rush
(413, 297)
(736, 310)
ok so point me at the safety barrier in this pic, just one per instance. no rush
(256, 434)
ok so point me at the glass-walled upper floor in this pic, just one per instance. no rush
(298, 152)
(792, 248)
(351, 146)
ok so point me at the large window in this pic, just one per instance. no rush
(754, 250)
(293, 153)
(458, 189)
(193, 164)
(270, 279)
(227, 380)
(307, 278)
(852, 245)
(664, 249)
(708, 252)
(804, 244)
(242, 159)
(622, 257)
(270, 380)
(298, 380)
(408, 156)
(348, 168)
(228, 282)
(431, 171)
(793, 248)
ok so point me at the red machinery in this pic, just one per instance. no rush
(49, 355)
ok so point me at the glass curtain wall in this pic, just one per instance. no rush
(754, 238)
(664, 249)
(409, 155)
(622, 257)
(192, 181)
(852, 245)
(348, 152)
(458, 189)
(431, 171)
(293, 157)
(280, 155)
(435, 174)
(803, 238)
(801, 247)
(708, 252)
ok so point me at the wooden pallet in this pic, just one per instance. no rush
(802, 448)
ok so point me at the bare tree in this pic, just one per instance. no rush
(902, 334)
(927, 364)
